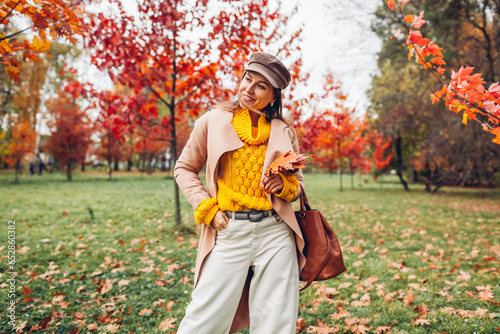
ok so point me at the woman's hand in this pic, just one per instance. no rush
(273, 183)
(220, 221)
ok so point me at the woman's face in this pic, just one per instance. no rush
(256, 90)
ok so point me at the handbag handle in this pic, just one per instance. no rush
(304, 203)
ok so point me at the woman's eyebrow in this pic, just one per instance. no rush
(261, 81)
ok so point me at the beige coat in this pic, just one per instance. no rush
(212, 136)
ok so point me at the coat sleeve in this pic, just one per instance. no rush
(191, 162)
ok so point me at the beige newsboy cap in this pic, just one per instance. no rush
(270, 67)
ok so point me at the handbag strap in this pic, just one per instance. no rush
(304, 203)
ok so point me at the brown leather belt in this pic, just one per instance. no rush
(251, 215)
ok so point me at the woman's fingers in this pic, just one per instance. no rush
(273, 183)
(220, 221)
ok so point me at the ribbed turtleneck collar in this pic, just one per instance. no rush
(242, 124)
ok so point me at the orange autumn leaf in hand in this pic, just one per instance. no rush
(289, 162)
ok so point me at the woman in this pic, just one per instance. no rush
(250, 251)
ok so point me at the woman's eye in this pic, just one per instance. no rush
(262, 87)
(247, 79)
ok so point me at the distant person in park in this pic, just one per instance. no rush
(32, 168)
(250, 250)
(41, 165)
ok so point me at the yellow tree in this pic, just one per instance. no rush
(21, 143)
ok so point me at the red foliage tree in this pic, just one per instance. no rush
(332, 133)
(111, 127)
(70, 129)
(380, 157)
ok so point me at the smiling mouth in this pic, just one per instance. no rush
(248, 98)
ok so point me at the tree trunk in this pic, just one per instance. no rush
(414, 176)
(174, 145)
(171, 107)
(339, 170)
(110, 170)
(68, 170)
(399, 156)
(18, 167)
(352, 174)
(68, 164)
(150, 164)
(129, 165)
(116, 166)
(174, 160)
(163, 160)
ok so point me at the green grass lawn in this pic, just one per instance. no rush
(104, 256)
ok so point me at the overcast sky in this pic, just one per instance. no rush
(337, 35)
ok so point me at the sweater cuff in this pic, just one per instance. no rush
(205, 212)
(290, 188)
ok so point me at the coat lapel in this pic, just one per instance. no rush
(221, 139)
(279, 143)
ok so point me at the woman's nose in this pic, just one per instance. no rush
(249, 88)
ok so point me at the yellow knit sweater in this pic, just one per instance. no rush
(239, 186)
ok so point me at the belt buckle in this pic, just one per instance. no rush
(254, 212)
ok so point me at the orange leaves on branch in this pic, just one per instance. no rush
(465, 91)
(289, 162)
(381, 158)
(47, 20)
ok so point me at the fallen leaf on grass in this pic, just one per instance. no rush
(357, 263)
(464, 276)
(408, 299)
(186, 280)
(172, 267)
(106, 286)
(383, 329)
(23, 250)
(167, 324)
(300, 326)
(193, 243)
(344, 285)
(365, 300)
(123, 282)
(322, 328)
(112, 328)
(145, 312)
(341, 313)
(64, 280)
(19, 328)
(421, 322)
(485, 292)
(95, 273)
(92, 327)
(78, 315)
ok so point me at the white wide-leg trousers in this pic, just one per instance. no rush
(268, 248)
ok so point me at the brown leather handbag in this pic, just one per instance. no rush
(322, 250)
